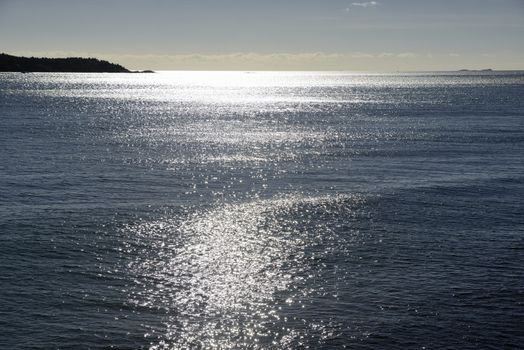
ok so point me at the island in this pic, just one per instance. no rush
(476, 70)
(9, 63)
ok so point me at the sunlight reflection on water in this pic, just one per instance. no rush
(266, 210)
(218, 272)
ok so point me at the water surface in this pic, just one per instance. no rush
(232, 210)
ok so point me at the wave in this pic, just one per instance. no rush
(217, 272)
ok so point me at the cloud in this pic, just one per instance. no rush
(397, 55)
(406, 55)
(365, 4)
(270, 61)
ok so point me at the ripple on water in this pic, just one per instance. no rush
(223, 275)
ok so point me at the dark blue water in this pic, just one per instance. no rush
(261, 211)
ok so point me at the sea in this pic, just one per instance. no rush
(262, 210)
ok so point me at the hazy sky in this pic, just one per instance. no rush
(269, 34)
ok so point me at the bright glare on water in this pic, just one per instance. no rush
(249, 210)
(221, 271)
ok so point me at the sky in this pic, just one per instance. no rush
(358, 35)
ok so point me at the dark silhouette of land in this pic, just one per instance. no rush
(476, 70)
(9, 63)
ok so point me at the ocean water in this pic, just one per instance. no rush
(249, 210)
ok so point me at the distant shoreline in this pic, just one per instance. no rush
(476, 70)
(9, 63)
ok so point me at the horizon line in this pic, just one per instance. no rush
(304, 61)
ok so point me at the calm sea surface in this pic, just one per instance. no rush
(262, 211)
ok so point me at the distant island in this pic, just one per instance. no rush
(9, 63)
(476, 70)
